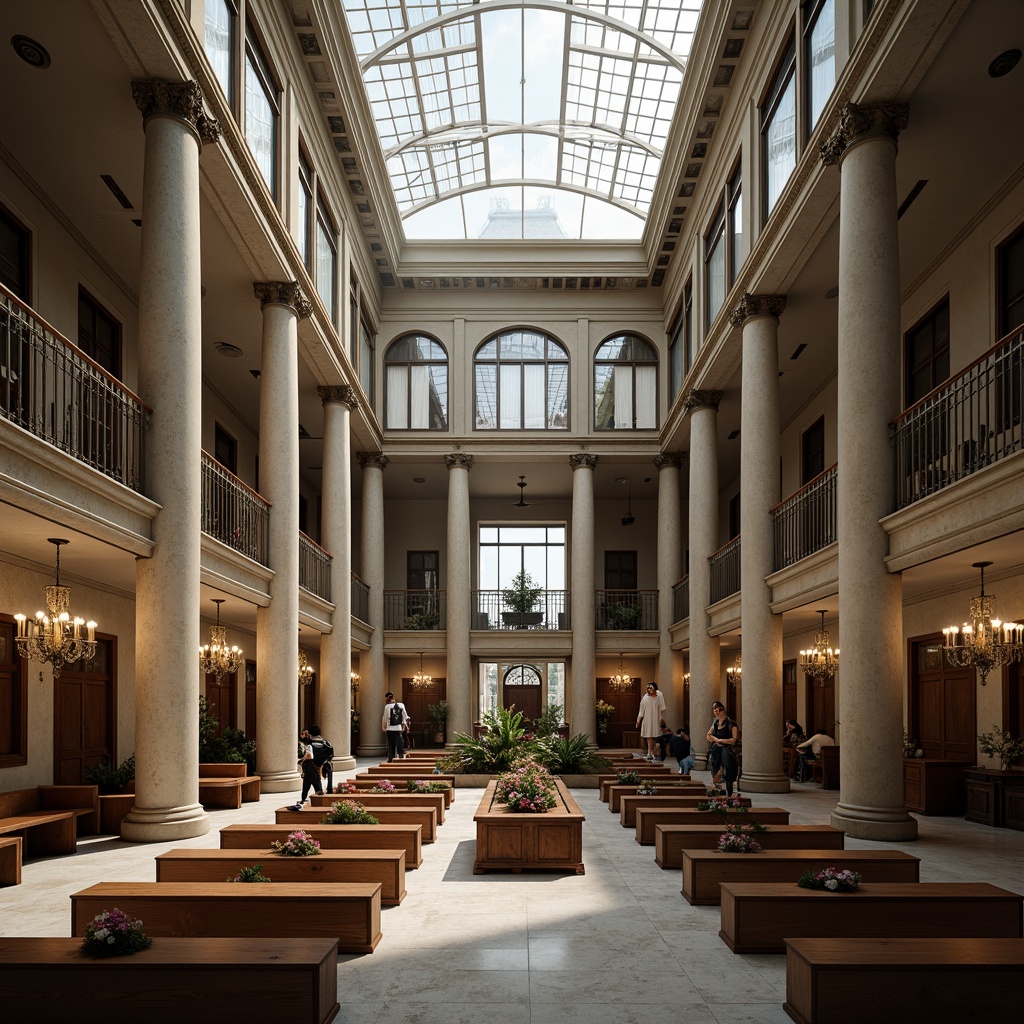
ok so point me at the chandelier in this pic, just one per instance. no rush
(421, 681)
(305, 669)
(984, 643)
(55, 636)
(216, 658)
(620, 681)
(735, 670)
(821, 661)
(355, 683)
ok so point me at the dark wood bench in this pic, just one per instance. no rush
(849, 981)
(671, 840)
(629, 804)
(364, 783)
(407, 838)
(653, 771)
(385, 868)
(10, 860)
(175, 979)
(397, 799)
(114, 807)
(649, 818)
(49, 818)
(425, 817)
(826, 768)
(211, 773)
(758, 916)
(665, 787)
(705, 870)
(348, 913)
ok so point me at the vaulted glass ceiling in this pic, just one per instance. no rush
(509, 120)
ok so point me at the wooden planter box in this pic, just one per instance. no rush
(425, 817)
(407, 838)
(434, 800)
(628, 805)
(671, 840)
(363, 784)
(665, 787)
(552, 841)
(649, 818)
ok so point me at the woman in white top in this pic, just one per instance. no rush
(648, 719)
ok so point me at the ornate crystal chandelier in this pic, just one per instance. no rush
(735, 671)
(984, 643)
(822, 660)
(216, 658)
(55, 636)
(620, 681)
(355, 683)
(305, 669)
(421, 681)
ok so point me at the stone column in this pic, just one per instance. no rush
(277, 625)
(167, 677)
(871, 605)
(761, 711)
(669, 571)
(458, 566)
(705, 654)
(335, 707)
(375, 682)
(581, 715)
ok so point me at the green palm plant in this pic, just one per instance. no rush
(573, 755)
(501, 743)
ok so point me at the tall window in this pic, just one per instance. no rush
(522, 383)
(778, 130)
(262, 110)
(13, 699)
(225, 448)
(691, 334)
(676, 355)
(415, 384)
(326, 259)
(620, 570)
(367, 348)
(819, 56)
(99, 334)
(734, 200)
(812, 451)
(304, 227)
(219, 43)
(505, 551)
(1010, 261)
(625, 384)
(926, 354)
(714, 266)
(14, 261)
(723, 245)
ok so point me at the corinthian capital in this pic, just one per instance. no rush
(856, 121)
(372, 460)
(582, 460)
(701, 400)
(751, 306)
(283, 293)
(183, 100)
(458, 460)
(338, 393)
(669, 460)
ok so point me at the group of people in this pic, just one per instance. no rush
(802, 751)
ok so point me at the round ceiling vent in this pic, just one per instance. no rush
(222, 348)
(1004, 63)
(30, 51)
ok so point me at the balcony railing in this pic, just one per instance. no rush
(725, 571)
(626, 609)
(314, 568)
(415, 609)
(966, 424)
(491, 611)
(681, 600)
(234, 513)
(806, 521)
(56, 392)
(360, 600)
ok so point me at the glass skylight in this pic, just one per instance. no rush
(523, 122)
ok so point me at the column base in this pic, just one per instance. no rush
(279, 782)
(882, 824)
(163, 824)
(344, 763)
(775, 782)
(372, 749)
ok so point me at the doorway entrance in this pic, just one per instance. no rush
(84, 699)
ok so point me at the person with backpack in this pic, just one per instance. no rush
(323, 752)
(310, 774)
(395, 723)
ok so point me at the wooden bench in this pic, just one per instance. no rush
(399, 799)
(364, 784)
(826, 768)
(425, 817)
(705, 870)
(605, 781)
(385, 868)
(649, 818)
(664, 787)
(49, 818)
(849, 981)
(629, 804)
(757, 917)
(250, 784)
(202, 979)
(671, 840)
(10, 860)
(348, 913)
(114, 807)
(403, 770)
(407, 838)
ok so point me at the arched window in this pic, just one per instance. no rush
(416, 384)
(625, 384)
(522, 383)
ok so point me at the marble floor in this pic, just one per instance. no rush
(617, 945)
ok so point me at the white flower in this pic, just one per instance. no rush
(832, 884)
(110, 940)
(102, 934)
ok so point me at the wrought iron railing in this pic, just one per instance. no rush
(491, 610)
(626, 609)
(681, 600)
(962, 426)
(360, 600)
(234, 513)
(415, 609)
(314, 568)
(806, 521)
(56, 392)
(725, 571)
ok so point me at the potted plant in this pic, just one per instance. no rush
(1002, 746)
(604, 712)
(622, 615)
(519, 599)
(438, 717)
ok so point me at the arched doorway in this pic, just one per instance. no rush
(522, 685)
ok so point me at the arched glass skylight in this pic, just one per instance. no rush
(506, 119)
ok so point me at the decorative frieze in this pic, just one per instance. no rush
(856, 121)
(695, 399)
(283, 293)
(582, 460)
(458, 460)
(372, 460)
(338, 393)
(183, 100)
(751, 306)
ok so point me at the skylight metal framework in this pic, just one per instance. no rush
(523, 118)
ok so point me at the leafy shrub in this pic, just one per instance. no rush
(573, 755)
(427, 786)
(229, 747)
(250, 873)
(348, 812)
(549, 722)
(111, 779)
(502, 743)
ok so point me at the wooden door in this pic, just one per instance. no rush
(942, 705)
(522, 686)
(626, 704)
(13, 698)
(1013, 700)
(734, 696)
(250, 700)
(821, 705)
(307, 704)
(788, 692)
(222, 700)
(416, 702)
(84, 732)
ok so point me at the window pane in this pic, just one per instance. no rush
(558, 396)
(218, 42)
(397, 398)
(438, 397)
(260, 125)
(736, 237)
(821, 58)
(534, 404)
(716, 277)
(326, 268)
(604, 397)
(780, 144)
(510, 398)
(486, 397)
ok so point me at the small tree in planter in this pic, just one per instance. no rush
(1002, 746)
(438, 717)
(519, 600)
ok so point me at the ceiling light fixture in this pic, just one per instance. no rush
(216, 658)
(521, 503)
(620, 681)
(629, 519)
(421, 680)
(305, 669)
(822, 660)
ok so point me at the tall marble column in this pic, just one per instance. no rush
(170, 379)
(335, 706)
(582, 715)
(375, 682)
(670, 676)
(277, 624)
(458, 571)
(705, 653)
(761, 711)
(871, 605)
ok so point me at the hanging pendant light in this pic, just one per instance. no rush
(629, 519)
(216, 658)
(305, 669)
(421, 680)
(620, 681)
(822, 660)
(521, 503)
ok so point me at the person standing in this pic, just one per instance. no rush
(648, 719)
(394, 723)
(723, 737)
(322, 754)
(310, 775)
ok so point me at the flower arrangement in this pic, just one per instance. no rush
(427, 786)
(831, 879)
(740, 838)
(715, 791)
(628, 778)
(527, 789)
(348, 812)
(298, 844)
(250, 873)
(1002, 746)
(114, 933)
(647, 788)
(604, 712)
(383, 786)
(722, 804)
(346, 787)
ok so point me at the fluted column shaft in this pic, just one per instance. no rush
(374, 684)
(582, 714)
(170, 379)
(458, 571)
(335, 707)
(670, 677)
(871, 610)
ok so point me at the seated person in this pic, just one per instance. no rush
(810, 750)
(792, 734)
(682, 749)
